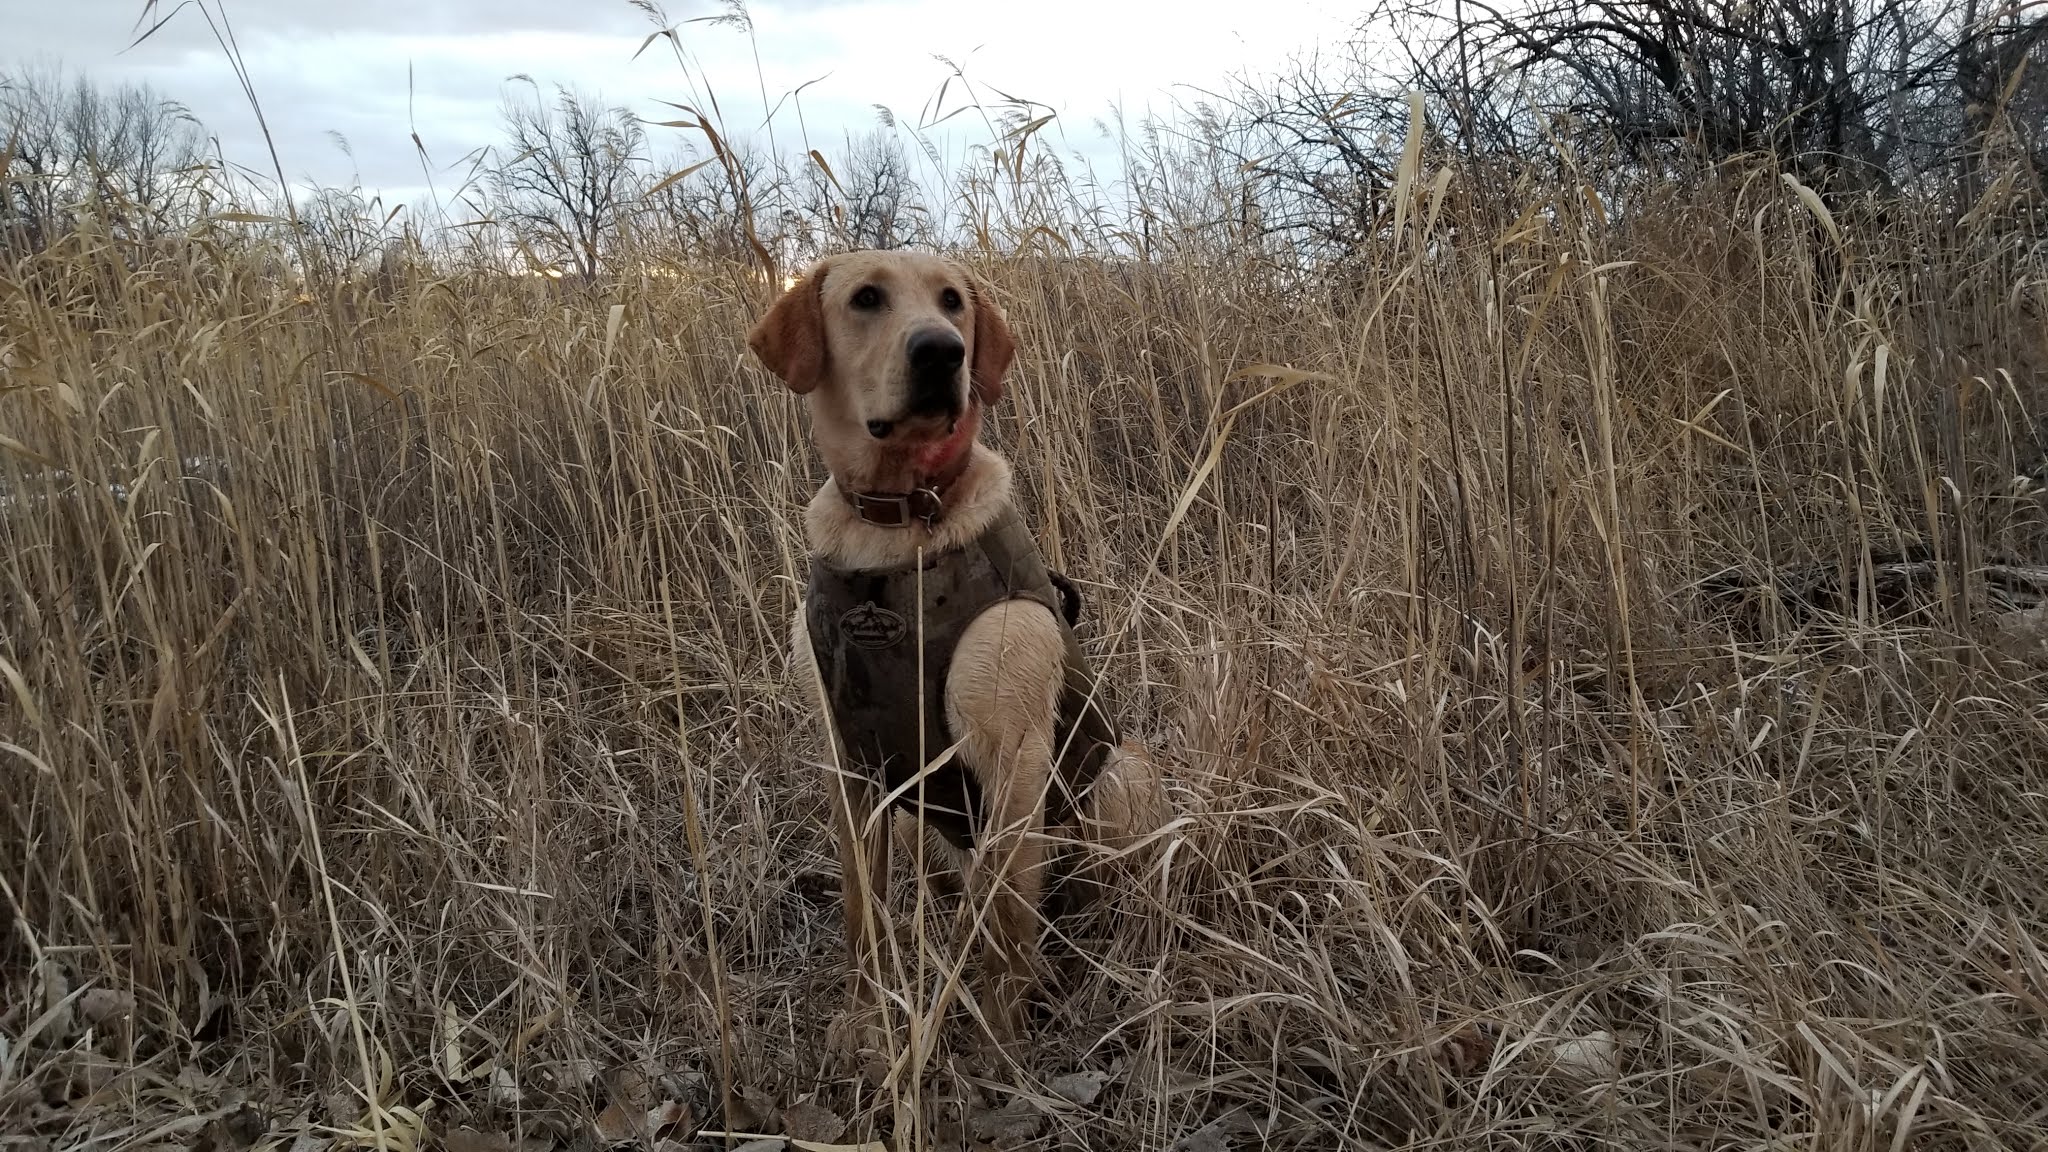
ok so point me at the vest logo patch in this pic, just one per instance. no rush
(873, 627)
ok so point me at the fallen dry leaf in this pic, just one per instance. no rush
(104, 1007)
(1469, 1050)
(812, 1123)
(620, 1122)
(1018, 1120)
(1215, 1135)
(90, 1073)
(682, 1085)
(504, 1090)
(1594, 1056)
(948, 1133)
(628, 1088)
(471, 1140)
(666, 1115)
(569, 1074)
(235, 1127)
(754, 1111)
(2024, 634)
(616, 1125)
(1079, 1087)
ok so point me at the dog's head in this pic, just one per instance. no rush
(893, 346)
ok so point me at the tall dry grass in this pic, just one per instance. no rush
(1596, 679)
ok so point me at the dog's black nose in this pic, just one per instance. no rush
(935, 357)
(936, 351)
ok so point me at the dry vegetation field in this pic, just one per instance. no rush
(1599, 663)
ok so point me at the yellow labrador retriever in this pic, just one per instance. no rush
(940, 648)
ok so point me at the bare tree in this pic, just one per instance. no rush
(868, 198)
(346, 233)
(570, 173)
(1319, 154)
(1858, 95)
(125, 153)
(1999, 64)
(1867, 100)
(702, 214)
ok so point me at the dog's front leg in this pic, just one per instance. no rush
(1009, 881)
(1002, 696)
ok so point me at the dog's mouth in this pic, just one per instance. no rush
(929, 443)
(939, 428)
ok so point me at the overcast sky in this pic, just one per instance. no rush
(341, 66)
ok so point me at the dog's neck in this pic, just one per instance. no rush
(896, 488)
(977, 492)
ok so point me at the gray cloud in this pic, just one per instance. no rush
(96, 26)
(374, 71)
(370, 72)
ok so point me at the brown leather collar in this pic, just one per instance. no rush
(924, 504)
(904, 509)
(897, 509)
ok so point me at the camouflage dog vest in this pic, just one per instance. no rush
(868, 628)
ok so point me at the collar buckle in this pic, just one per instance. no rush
(897, 509)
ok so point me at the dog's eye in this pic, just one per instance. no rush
(868, 297)
(950, 300)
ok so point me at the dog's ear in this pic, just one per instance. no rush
(790, 339)
(994, 347)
